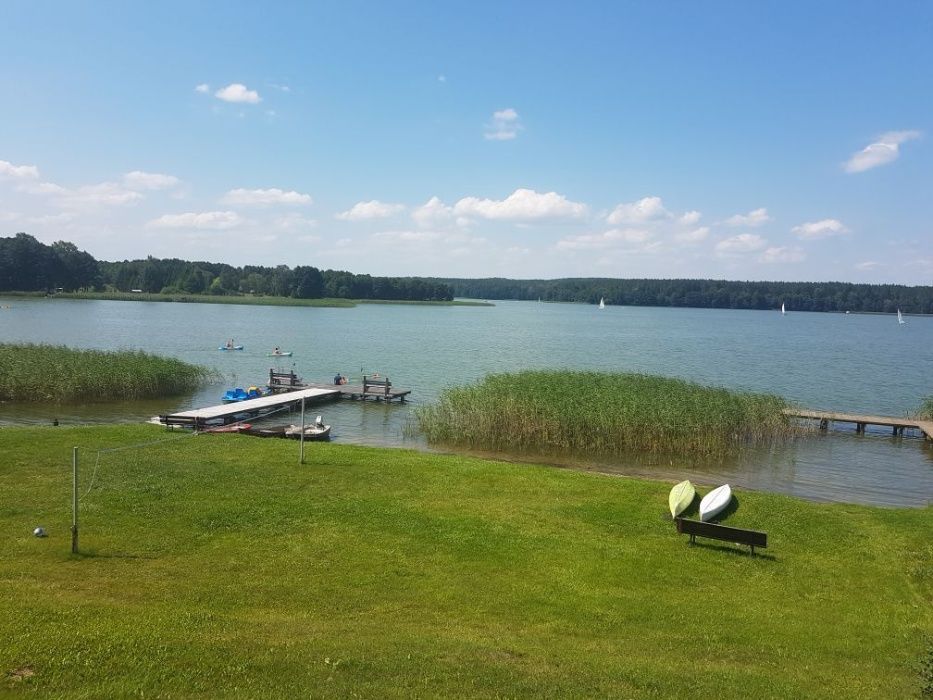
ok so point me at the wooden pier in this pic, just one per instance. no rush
(377, 388)
(227, 413)
(897, 425)
(287, 391)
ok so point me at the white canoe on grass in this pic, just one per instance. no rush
(715, 502)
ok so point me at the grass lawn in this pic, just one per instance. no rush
(215, 565)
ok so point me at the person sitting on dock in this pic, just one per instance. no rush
(339, 379)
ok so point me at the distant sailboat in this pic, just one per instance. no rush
(602, 303)
(782, 309)
(900, 317)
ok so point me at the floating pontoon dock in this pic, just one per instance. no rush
(898, 425)
(243, 410)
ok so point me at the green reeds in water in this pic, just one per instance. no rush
(597, 413)
(56, 373)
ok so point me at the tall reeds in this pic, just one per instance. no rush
(925, 412)
(55, 373)
(596, 413)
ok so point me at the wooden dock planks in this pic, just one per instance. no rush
(861, 421)
(355, 391)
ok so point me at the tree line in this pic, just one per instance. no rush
(28, 265)
(709, 294)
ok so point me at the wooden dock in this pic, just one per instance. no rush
(355, 391)
(897, 425)
(373, 387)
(227, 413)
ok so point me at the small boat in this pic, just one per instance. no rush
(234, 428)
(715, 502)
(782, 309)
(280, 354)
(900, 317)
(267, 430)
(681, 497)
(315, 431)
(238, 394)
(602, 303)
(234, 347)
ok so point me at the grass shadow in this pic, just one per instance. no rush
(734, 549)
(94, 554)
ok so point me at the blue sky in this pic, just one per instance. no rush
(740, 140)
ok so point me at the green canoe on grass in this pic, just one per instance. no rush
(681, 497)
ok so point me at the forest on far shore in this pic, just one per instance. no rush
(706, 294)
(27, 265)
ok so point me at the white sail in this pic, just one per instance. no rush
(602, 303)
(782, 308)
(900, 317)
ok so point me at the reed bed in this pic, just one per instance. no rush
(56, 373)
(925, 412)
(596, 413)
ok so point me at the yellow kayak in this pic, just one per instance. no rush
(681, 497)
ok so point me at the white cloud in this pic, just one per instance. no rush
(755, 218)
(265, 197)
(237, 92)
(432, 213)
(689, 218)
(409, 236)
(867, 265)
(294, 222)
(504, 126)
(645, 209)
(138, 180)
(782, 254)
(741, 244)
(217, 220)
(203, 88)
(373, 209)
(442, 78)
(61, 218)
(18, 172)
(521, 205)
(697, 235)
(41, 188)
(90, 196)
(820, 229)
(885, 150)
(615, 238)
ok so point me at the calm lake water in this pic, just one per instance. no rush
(855, 363)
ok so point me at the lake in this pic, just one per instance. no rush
(843, 362)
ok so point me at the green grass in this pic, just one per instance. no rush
(247, 300)
(216, 566)
(55, 373)
(599, 413)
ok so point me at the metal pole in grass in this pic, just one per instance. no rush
(301, 438)
(74, 500)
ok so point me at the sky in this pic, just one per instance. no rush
(734, 140)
